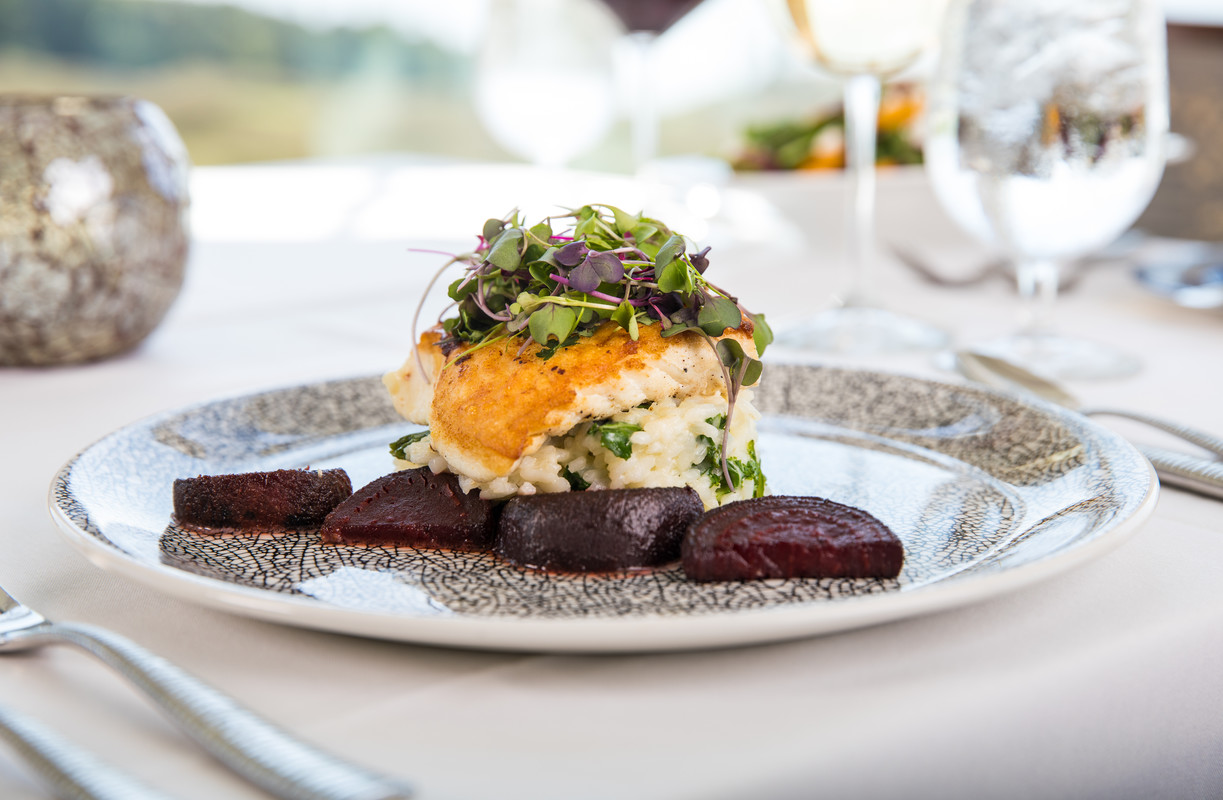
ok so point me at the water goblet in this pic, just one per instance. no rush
(1047, 123)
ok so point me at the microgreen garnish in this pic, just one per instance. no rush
(399, 447)
(615, 436)
(536, 283)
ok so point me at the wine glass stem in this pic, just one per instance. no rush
(643, 120)
(861, 118)
(1037, 278)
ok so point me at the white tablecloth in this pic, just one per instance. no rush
(1101, 682)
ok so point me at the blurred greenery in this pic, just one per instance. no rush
(144, 34)
(240, 86)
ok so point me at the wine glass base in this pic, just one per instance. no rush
(858, 329)
(1063, 357)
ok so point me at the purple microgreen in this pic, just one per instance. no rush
(481, 300)
(563, 281)
(745, 368)
(732, 391)
(659, 315)
(571, 254)
(420, 363)
(700, 261)
(595, 269)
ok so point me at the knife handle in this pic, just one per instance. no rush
(1186, 472)
(69, 771)
(249, 745)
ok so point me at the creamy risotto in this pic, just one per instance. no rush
(667, 442)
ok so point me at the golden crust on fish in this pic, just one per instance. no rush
(489, 408)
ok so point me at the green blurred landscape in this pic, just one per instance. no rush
(243, 87)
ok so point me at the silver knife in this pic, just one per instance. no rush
(1184, 471)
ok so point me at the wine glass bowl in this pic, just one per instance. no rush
(540, 76)
(1046, 134)
(650, 16)
(876, 37)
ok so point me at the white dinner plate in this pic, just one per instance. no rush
(987, 492)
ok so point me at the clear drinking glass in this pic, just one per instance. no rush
(1047, 127)
(863, 41)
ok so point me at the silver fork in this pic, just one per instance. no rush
(247, 744)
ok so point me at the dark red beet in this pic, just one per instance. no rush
(414, 507)
(595, 531)
(266, 501)
(790, 537)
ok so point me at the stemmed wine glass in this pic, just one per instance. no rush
(863, 41)
(539, 63)
(1047, 125)
(644, 20)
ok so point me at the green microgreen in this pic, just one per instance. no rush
(604, 266)
(399, 447)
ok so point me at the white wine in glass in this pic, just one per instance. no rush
(1047, 127)
(863, 42)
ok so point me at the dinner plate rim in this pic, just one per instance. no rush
(600, 634)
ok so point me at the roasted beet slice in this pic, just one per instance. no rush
(790, 537)
(595, 531)
(414, 507)
(266, 501)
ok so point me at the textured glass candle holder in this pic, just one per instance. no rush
(93, 233)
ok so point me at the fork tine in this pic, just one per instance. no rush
(7, 602)
(15, 617)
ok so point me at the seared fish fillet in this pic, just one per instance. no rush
(487, 410)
